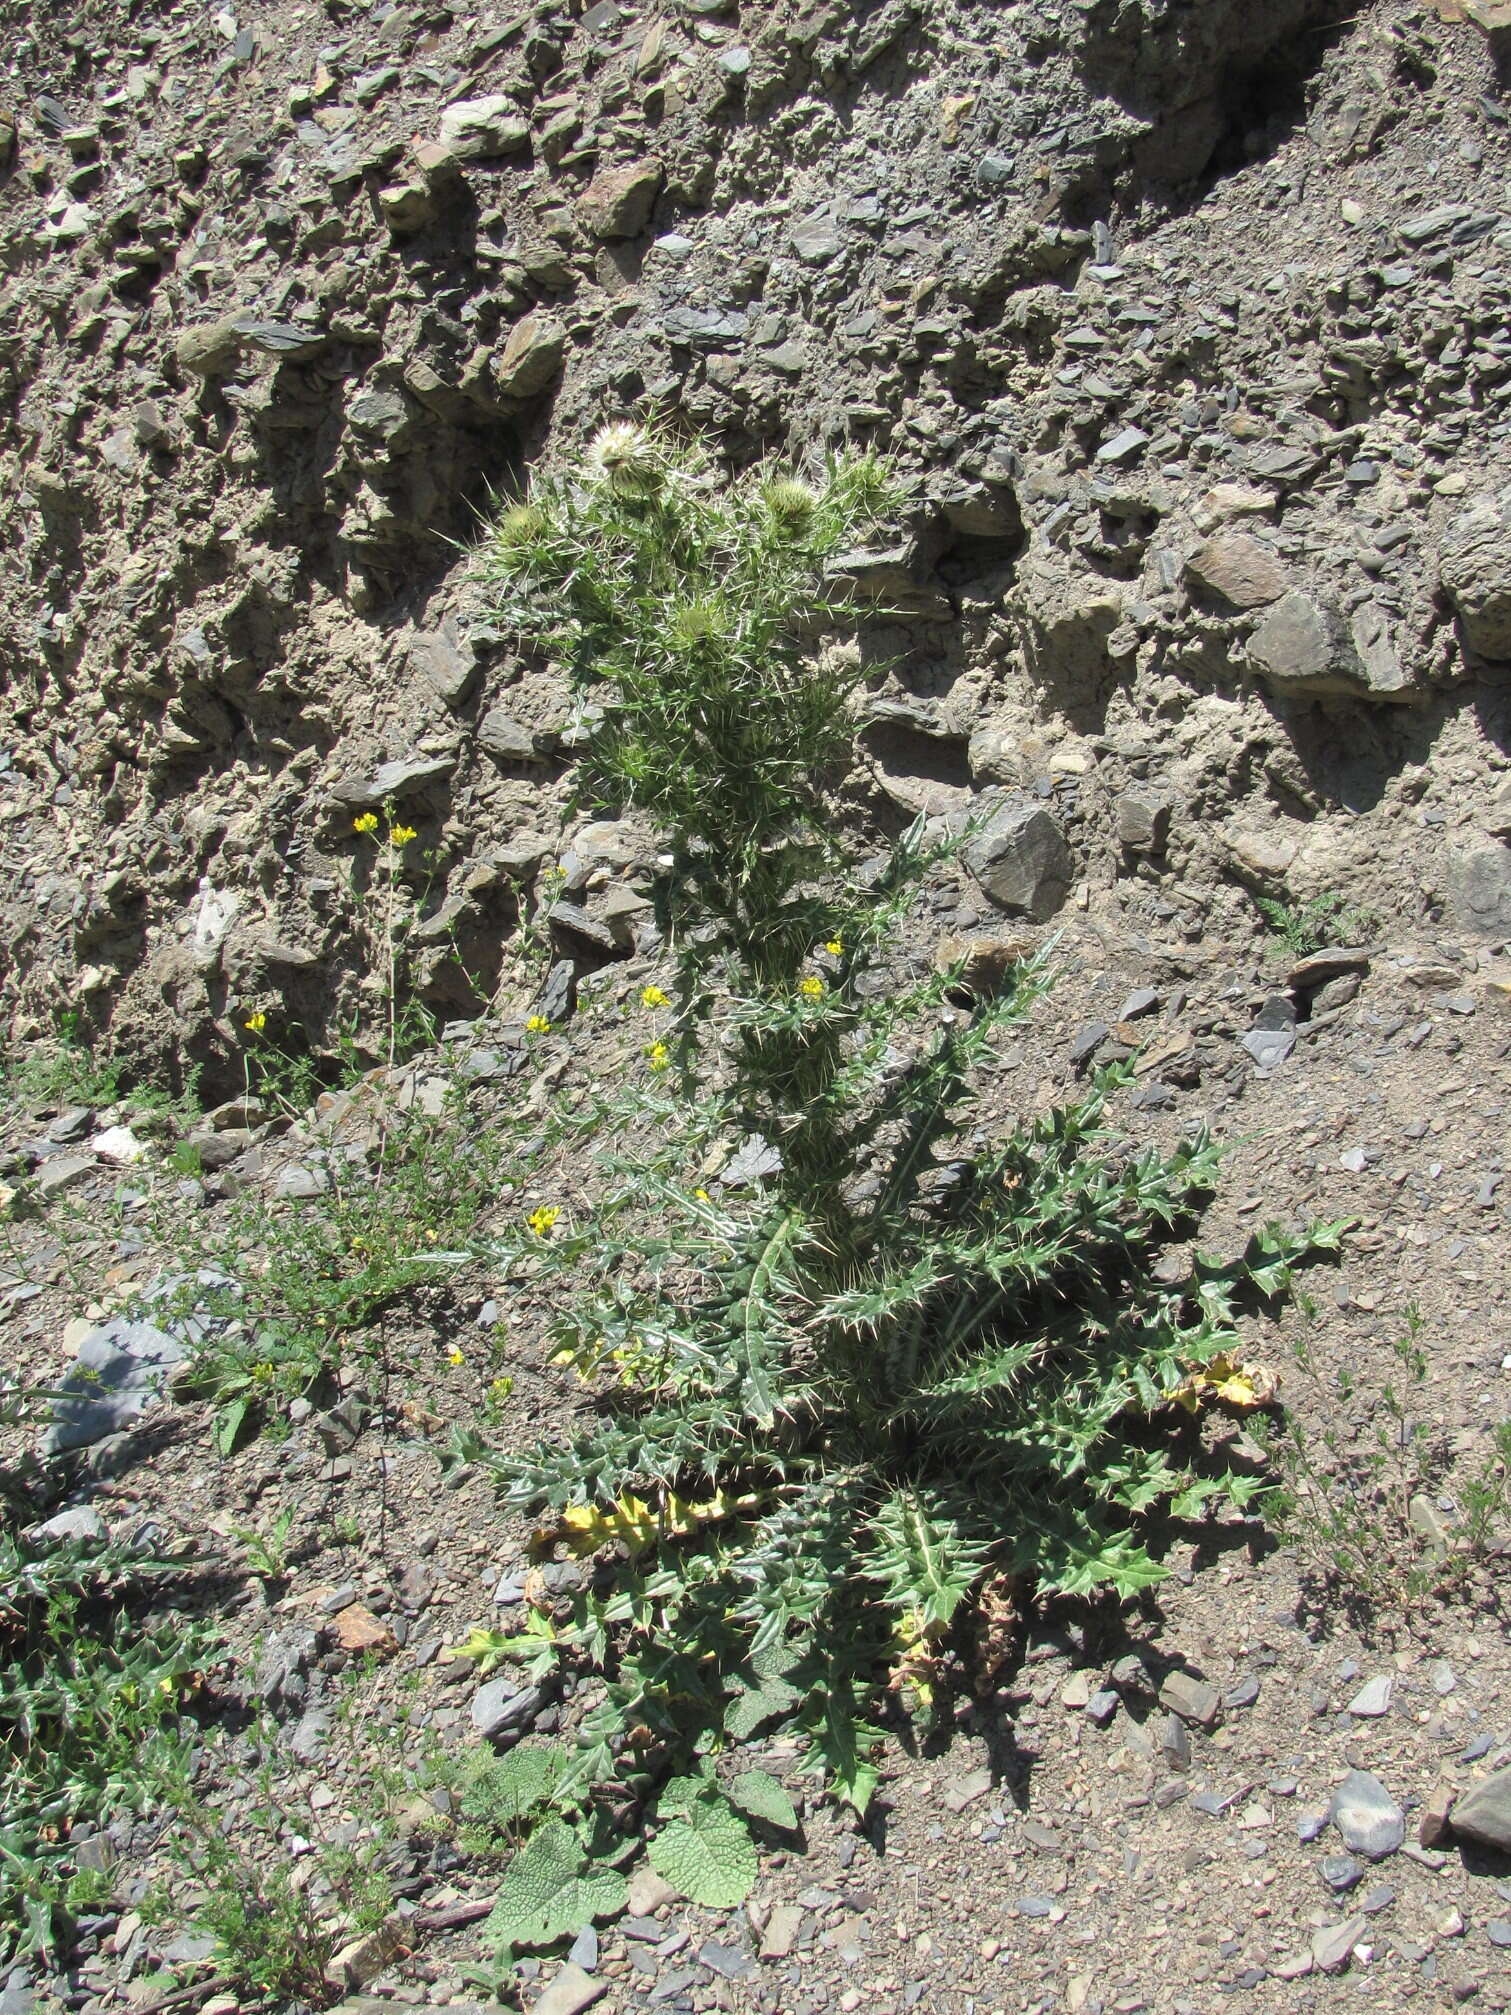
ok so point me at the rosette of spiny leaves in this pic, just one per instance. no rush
(914, 1361)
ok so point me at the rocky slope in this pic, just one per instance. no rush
(1188, 325)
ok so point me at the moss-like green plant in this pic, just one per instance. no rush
(89, 1700)
(912, 1361)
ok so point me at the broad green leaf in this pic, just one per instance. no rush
(507, 1789)
(550, 1890)
(749, 1712)
(229, 1421)
(759, 1794)
(678, 1794)
(708, 1857)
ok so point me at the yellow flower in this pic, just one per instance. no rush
(658, 1056)
(455, 1356)
(835, 948)
(400, 836)
(653, 997)
(537, 1024)
(701, 1195)
(256, 1022)
(365, 822)
(540, 1221)
(812, 988)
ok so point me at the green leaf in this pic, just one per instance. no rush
(749, 1712)
(229, 1421)
(708, 1857)
(840, 1749)
(759, 1794)
(550, 1890)
(507, 1789)
(754, 1347)
(678, 1795)
(926, 1563)
(1188, 1503)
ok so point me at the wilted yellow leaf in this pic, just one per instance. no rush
(1227, 1378)
(635, 1525)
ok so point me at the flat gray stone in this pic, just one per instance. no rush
(1367, 1818)
(569, 1993)
(1340, 1871)
(964, 1791)
(1269, 1047)
(728, 1961)
(81, 1521)
(1332, 1945)
(1195, 1700)
(65, 1171)
(500, 1705)
(782, 1928)
(1373, 1698)
(1143, 821)
(446, 661)
(531, 358)
(483, 129)
(618, 202)
(1239, 569)
(1476, 572)
(397, 780)
(1022, 860)
(116, 1376)
(1123, 447)
(506, 738)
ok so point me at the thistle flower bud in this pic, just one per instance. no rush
(790, 502)
(519, 528)
(696, 623)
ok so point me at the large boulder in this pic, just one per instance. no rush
(483, 129)
(531, 358)
(1305, 644)
(617, 203)
(1023, 860)
(1239, 570)
(1475, 569)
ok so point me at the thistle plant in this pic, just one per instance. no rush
(918, 1371)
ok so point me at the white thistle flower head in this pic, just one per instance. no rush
(623, 458)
